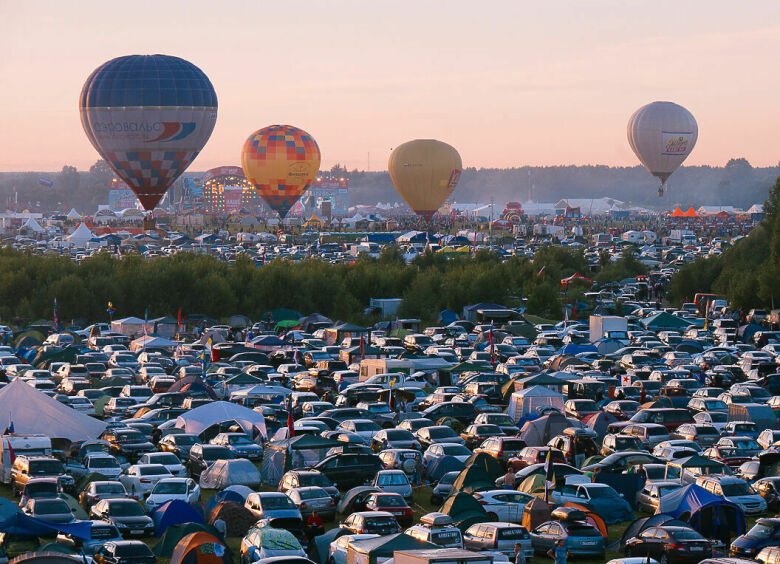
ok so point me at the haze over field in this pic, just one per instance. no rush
(508, 84)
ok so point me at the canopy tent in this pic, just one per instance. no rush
(525, 403)
(150, 342)
(130, 326)
(198, 419)
(709, 514)
(296, 452)
(80, 236)
(369, 551)
(166, 327)
(32, 226)
(33, 412)
(677, 212)
(691, 213)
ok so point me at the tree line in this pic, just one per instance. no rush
(203, 284)
(747, 273)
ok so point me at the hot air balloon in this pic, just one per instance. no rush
(425, 172)
(148, 116)
(662, 135)
(281, 161)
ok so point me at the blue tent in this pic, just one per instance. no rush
(173, 512)
(224, 495)
(573, 349)
(440, 466)
(447, 316)
(709, 514)
(21, 524)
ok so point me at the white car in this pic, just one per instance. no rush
(395, 481)
(81, 403)
(104, 464)
(438, 450)
(503, 505)
(140, 479)
(168, 489)
(736, 490)
(365, 428)
(717, 419)
(338, 548)
(167, 459)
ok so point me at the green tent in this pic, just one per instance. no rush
(473, 479)
(47, 355)
(664, 320)
(486, 463)
(384, 547)
(56, 547)
(464, 510)
(533, 484)
(29, 336)
(281, 314)
(286, 324)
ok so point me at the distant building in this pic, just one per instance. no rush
(326, 197)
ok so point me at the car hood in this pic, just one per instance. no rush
(139, 521)
(745, 541)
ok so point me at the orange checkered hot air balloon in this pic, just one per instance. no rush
(280, 161)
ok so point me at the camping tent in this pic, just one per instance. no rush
(201, 548)
(464, 510)
(33, 412)
(709, 514)
(194, 386)
(664, 321)
(297, 452)
(174, 512)
(164, 548)
(198, 419)
(238, 519)
(525, 403)
(539, 431)
(224, 473)
(441, 465)
(535, 512)
(150, 342)
(369, 551)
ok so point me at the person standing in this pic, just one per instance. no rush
(558, 552)
(519, 554)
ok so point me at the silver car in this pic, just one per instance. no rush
(272, 505)
(313, 498)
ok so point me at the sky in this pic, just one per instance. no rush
(508, 83)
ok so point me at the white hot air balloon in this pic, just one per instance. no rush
(662, 134)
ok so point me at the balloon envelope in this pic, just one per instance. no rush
(148, 116)
(662, 135)
(280, 161)
(425, 172)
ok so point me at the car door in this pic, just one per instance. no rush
(658, 543)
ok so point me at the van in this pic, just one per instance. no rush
(437, 528)
(498, 536)
(651, 434)
(20, 445)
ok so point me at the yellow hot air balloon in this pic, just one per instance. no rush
(425, 172)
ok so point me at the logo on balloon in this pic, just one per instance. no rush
(675, 143)
(174, 131)
(454, 177)
(298, 170)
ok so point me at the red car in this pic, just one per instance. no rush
(393, 503)
(535, 455)
(730, 456)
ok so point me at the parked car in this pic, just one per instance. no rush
(349, 470)
(372, 522)
(100, 489)
(580, 538)
(124, 552)
(503, 505)
(766, 532)
(140, 479)
(670, 544)
(498, 536)
(169, 489)
(391, 503)
(127, 515)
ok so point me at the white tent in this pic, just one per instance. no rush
(80, 236)
(526, 402)
(130, 326)
(32, 225)
(73, 214)
(33, 412)
(149, 342)
(198, 419)
(225, 473)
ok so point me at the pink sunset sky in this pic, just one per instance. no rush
(508, 83)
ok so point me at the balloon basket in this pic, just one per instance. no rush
(149, 223)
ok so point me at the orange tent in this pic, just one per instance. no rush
(593, 518)
(678, 212)
(691, 212)
(201, 548)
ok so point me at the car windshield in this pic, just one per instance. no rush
(448, 478)
(601, 492)
(582, 530)
(394, 479)
(164, 458)
(719, 417)
(379, 521)
(687, 534)
(239, 440)
(441, 432)
(185, 440)
(456, 450)
(663, 490)
(746, 444)
(51, 506)
(110, 489)
(312, 493)
(170, 488)
(277, 502)
(130, 437)
(46, 467)
(126, 509)
(399, 434)
(153, 470)
(314, 480)
(622, 443)
(366, 426)
(737, 488)
(760, 531)
(390, 501)
(103, 463)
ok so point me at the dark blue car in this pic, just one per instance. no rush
(766, 532)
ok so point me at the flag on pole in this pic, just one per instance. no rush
(146, 319)
(549, 475)
(179, 319)
(492, 347)
(290, 425)
(10, 430)
(11, 453)
(541, 271)
(56, 317)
